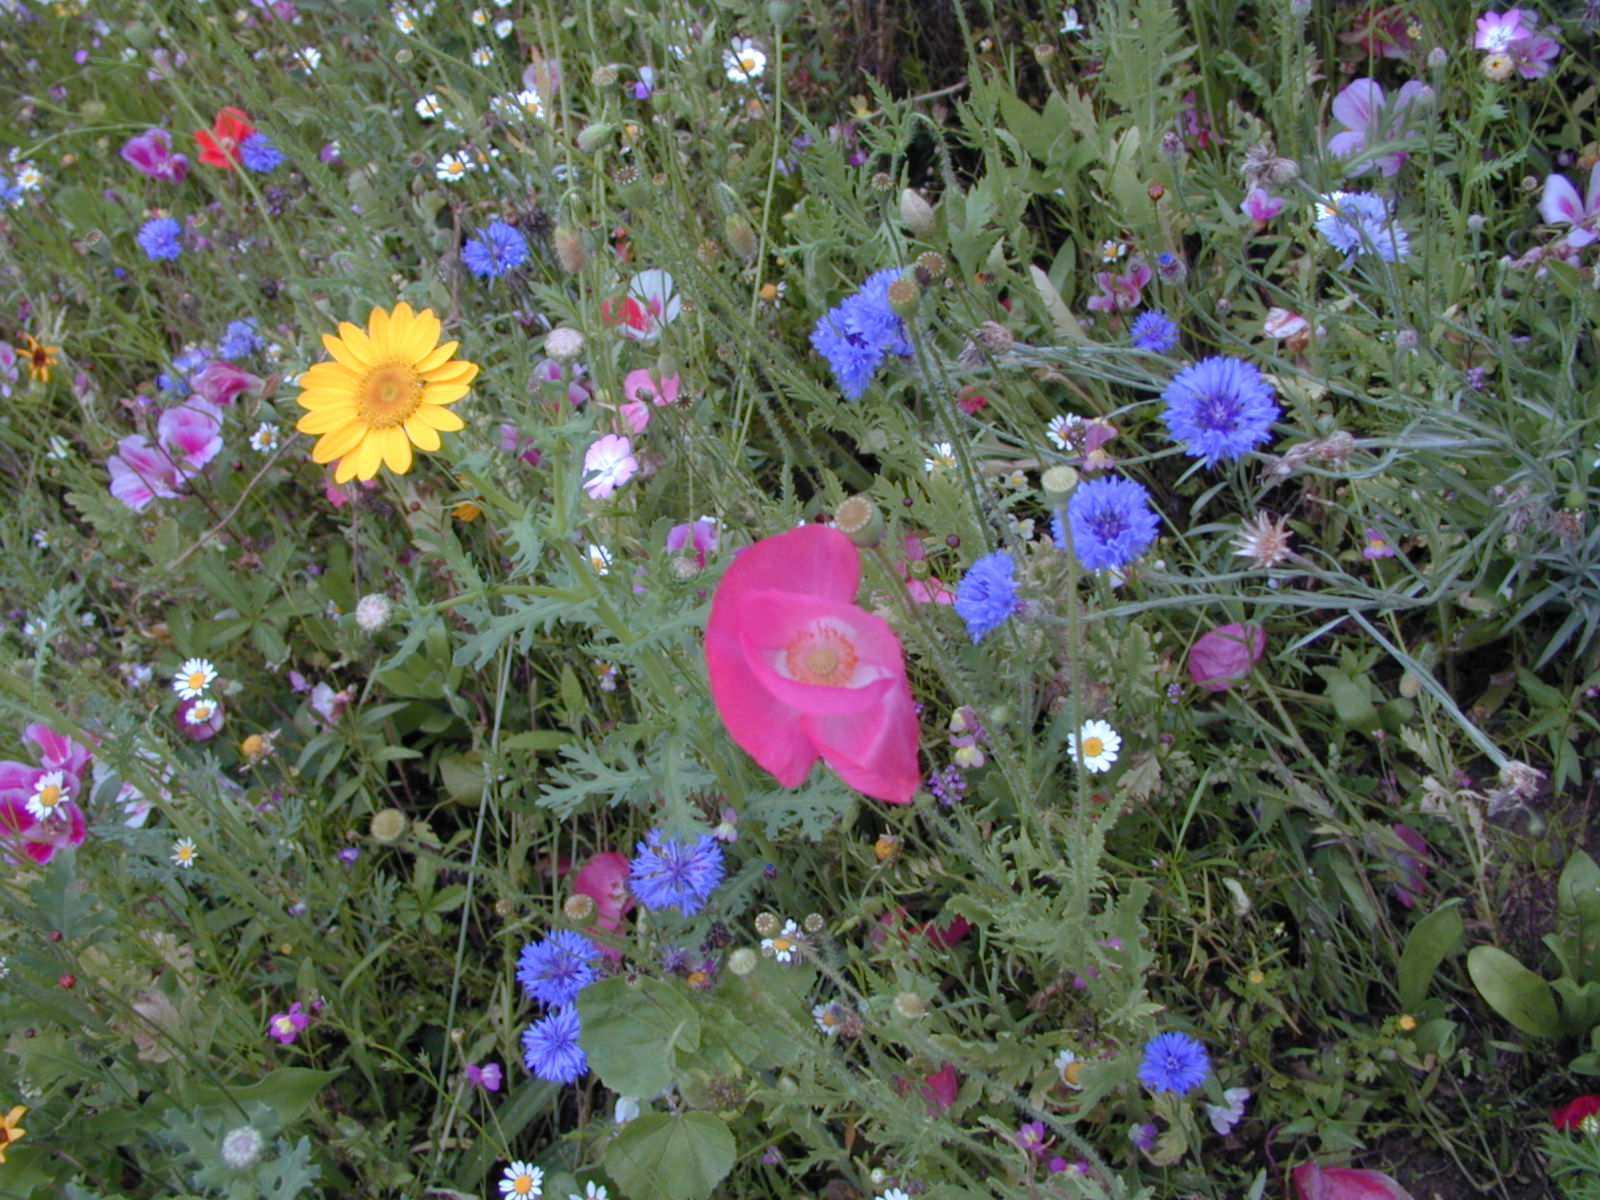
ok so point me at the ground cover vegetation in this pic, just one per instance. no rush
(814, 598)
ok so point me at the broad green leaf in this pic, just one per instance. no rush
(1433, 937)
(288, 1092)
(631, 1033)
(1513, 991)
(666, 1156)
(1351, 703)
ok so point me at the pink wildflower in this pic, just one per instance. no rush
(1381, 31)
(923, 589)
(487, 1076)
(1120, 293)
(191, 434)
(604, 879)
(140, 473)
(1261, 206)
(701, 536)
(222, 382)
(1377, 546)
(1361, 107)
(798, 671)
(1312, 1182)
(514, 442)
(286, 1026)
(941, 1088)
(1498, 31)
(1533, 55)
(641, 385)
(1224, 656)
(608, 464)
(329, 704)
(151, 152)
(1561, 205)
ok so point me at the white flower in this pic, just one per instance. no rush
(265, 438)
(528, 101)
(591, 1191)
(744, 62)
(521, 1179)
(894, 1194)
(452, 167)
(310, 58)
(1060, 429)
(627, 1110)
(480, 17)
(49, 793)
(784, 945)
(42, 539)
(1070, 22)
(373, 612)
(193, 678)
(242, 1148)
(502, 3)
(200, 712)
(944, 455)
(599, 558)
(503, 28)
(1067, 1065)
(58, 447)
(405, 19)
(1111, 251)
(1225, 1116)
(1100, 746)
(482, 56)
(29, 177)
(184, 853)
(428, 107)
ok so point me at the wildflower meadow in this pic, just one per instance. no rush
(657, 600)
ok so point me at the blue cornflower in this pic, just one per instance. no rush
(987, 594)
(495, 251)
(190, 361)
(158, 238)
(239, 340)
(1112, 523)
(1154, 330)
(1360, 222)
(555, 970)
(11, 194)
(668, 872)
(260, 154)
(856, 334)
(1218, 408)
(550, 1047)
(1174, 1062)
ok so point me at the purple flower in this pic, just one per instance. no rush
(667, 873)
(1360, 107)
(550, 1047)
(140, 473)
(987, 594)
(1112, 523)
(555, 970)
(1032, 1138)
(1377, 545)
(1174, 1062)
(239, 340)
(286, 1026)
(348, 855)
(646, 85)
(859, 332)
(497, 249)
(1219, 408)
(487, 1076)
(1533, 56)
(1261, 205)
(1561, 205)
(151, 152)
(1154, 331)
(158, 238)
(1497, 31)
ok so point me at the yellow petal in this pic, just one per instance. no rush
(352, 348)
(424, 435)
(439, 418)
(322, 397)
(436, 357)
(424, 335)
(378, 327)
(326, 420)
(330, 374)
(452, 372)
(444, 393)
(338, 443)
(363, 461)
(396, 450)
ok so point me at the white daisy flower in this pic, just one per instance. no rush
(783, 945)
(29, 177)
(49, 794)
(452, 168)
(1060, 429)
(944, 455)
(744, 62)
(428, 107)
(503, 28)
(1112, 250)
(1068, 1065)
(1100, 746)
(184, 853)
(405, 19)
(200, 712)
(265, 439)
(591, 1191)
(522, 1179)
(599, 558)
(193, 678)
(482, 56)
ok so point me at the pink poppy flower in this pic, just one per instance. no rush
(1498, 31)
(222, 382)
(798, 671)
(928, 589)
(151, 152)
(699, 536)
(651, 303)
(140, 473)
(1223, 657)
(1120, 293)
(1261, 205)
(941, 1088)
(604, 879)
(1312, 1182)
(607, 465)
(1360, 106)
(646, 388)
(191, 434)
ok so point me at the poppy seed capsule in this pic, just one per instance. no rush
(578, 908)
(859, 520)
(903, 296)
(388, 825)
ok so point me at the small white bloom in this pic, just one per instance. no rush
(1225, 1116)
(29, 177)
(1100, 746)
(42, 539)
(591, 1191)
(265, 439)
(944, 455)
(1060, 429)
(744, 62)
(503, 28)
(522, 1179)
(50, 792)
(784, 945)
(452, 167)
(184, 853)
(308, 57)
(482, 56)
(373, 612)
(405, 19)
(58, 447)
(1070, 22)
(1112, 250)
(242, 1148)
(627, 1110)
(599, 558)
(428, 107)
(200, 712)
(193, 678)
(528, 101)
(1067, 1066)
(480, 17)
(894, 1194)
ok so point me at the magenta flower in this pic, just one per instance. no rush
(1313, 1182)
(512, 441)
(641, 385)
(1377, 545)
(1499, 31)
(604, 879)
(1120, 293)
(607, 465)
(487, 1076)
(151, 152)
(1261, 205)
(140, 473)
(699, 535)
(1533, 56)
(1223, 657)
(286, 1026)
(191, 435)
(1360, 106)
(222, 382)
(1562, 206)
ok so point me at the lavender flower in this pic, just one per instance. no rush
(1154, 331)
(260, 154)
(498, 249)
(667, 873)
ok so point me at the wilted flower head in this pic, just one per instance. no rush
(1264, 540)
(1223, 657)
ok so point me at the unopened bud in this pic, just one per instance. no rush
(564, 344)
(780, 12)
(741, 238)
(859, 519)
(594, 137)
(910, 1006)
(917, 215)
(569, 248)
(242, 1147)
(931, 266)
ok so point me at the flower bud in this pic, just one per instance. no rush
(910, 1006)
(569, 249)
(740, 237)
(917, 215)
(766, 924)
(903, 296)
(241, 1148)
(594, 137)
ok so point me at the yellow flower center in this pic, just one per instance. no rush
(782, 945)
(522, 1185)
(197, 680)
(388, 395)
(49, 796)
(822, 656)
(1093, 747)
(1071, 1072)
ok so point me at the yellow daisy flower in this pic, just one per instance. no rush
(385, 391)
(38, 358)
(10, 1132)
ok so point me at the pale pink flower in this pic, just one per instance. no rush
(1497, 31)
(607, 465)
(643, 386)
(1261, 205)
(191, 434)
(1120, 293)
(329, 704)
(221, 382)
(1533, 56)
(1361, 107)
(140, 473)
(1562, 206)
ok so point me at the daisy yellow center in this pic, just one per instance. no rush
(388, 394)
(747, 61)
(1093, 747)
(185, 853)
(782, 945)
(197, 680)
(1071, 1073)
(821, 656)
(49, 796)
(522, 1185)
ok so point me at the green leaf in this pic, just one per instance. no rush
(665, 1156)
(631, 1033)
(1433, 937)
(1513, 991)
(1351, 703)
(288, 1092)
